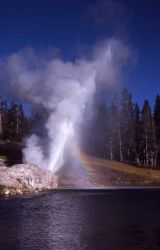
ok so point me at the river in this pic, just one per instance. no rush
(115, 219)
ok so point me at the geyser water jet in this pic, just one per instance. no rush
(56, 152)
(63, 89)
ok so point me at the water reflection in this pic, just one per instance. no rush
(82, 220)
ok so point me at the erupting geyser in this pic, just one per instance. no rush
(56, 153)
(63, 89)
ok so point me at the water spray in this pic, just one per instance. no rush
(61, 88)
(57, 149)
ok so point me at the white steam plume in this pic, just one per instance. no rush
(62, 89)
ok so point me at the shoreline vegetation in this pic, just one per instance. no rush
(115, 128)
(102, 173)
(123, 140)
(121, 130)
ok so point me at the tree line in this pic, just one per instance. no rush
(12, 121)
(120, 131)
(124, 132)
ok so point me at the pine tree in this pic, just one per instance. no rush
(100, 129)
(14, 119)
(2, 117)
(11, 121)
(157, 128)
(113, 146)
(127, 127)
(148, 138)
(138, 135)
(20, 122)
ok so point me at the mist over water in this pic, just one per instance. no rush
(62, 89)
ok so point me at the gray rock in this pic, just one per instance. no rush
(25, 178)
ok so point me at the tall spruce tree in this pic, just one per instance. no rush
(148, 135)
(15, 122)
(100, 129)
(157, 128)
(2, 118)
(11, 121)
(138, 135)
(127, 127)
(112, 144)
(20, 122)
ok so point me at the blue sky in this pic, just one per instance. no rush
(73, 26)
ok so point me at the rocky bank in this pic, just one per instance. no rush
(25, 178)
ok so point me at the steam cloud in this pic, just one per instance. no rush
(63, 90)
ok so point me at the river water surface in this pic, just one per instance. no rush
(82, 219)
